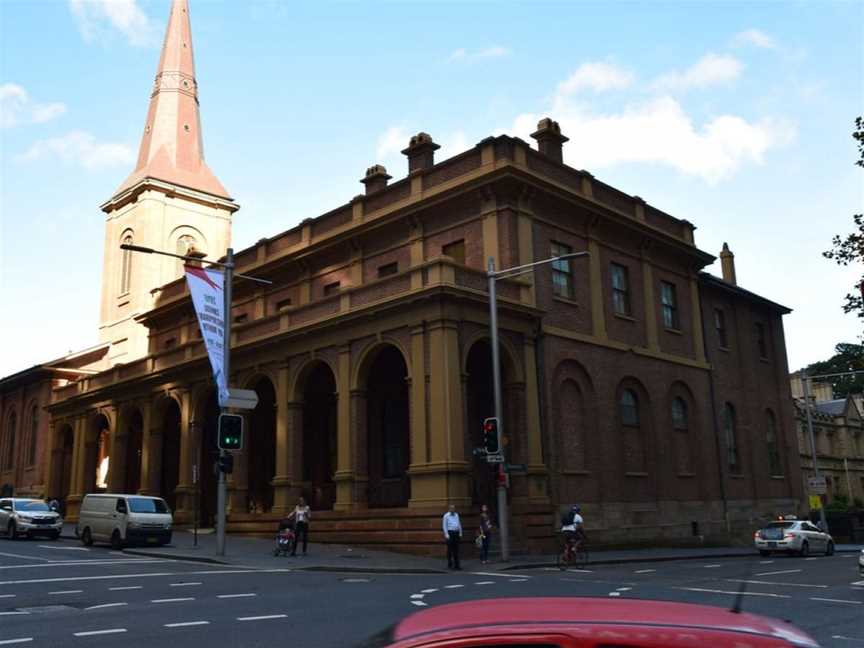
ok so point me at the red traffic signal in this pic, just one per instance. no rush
(491, 441)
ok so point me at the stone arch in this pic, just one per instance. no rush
(30, 433)
(731, 437)
(126, 257)
(368, 355)
(259, 452)
(8, 447)
(165, 441)
(97, 450)
(574, 415)
(63, 447)
(203, 451)
(683, 422)
(633, 418)
(772, 443)
(301, 374)
(507, 350)
(125, 469)
(315, 416)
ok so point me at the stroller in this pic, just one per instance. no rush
(285, 539)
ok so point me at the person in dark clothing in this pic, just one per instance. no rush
(301, 515)
(452, 527)
(485, 532)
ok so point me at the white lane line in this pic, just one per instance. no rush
(518, 580)
(67, 592)
(614, 593)
(766, 562)
(123, 589)
(644, 571)
(714, 591)
(508, 574)
(63, 548)
(832, 600)
(186, 624)
(485, 583)
(806, 559)
(184, 584)
(235, 595)
(7, 595)
(761, 582)
(426, 591)
(623, 589)
(580, 571)
(84, 563)
(841, 637)
(262, 618)
(858, 583)
(712, 566)
(785, 571)
(419, 603)
(29, 581)
(11, 555)
(90, 633)
(173, 600)
(453, 586)
(12, 613)
(105, 605)
(417, 596)
(6, 642)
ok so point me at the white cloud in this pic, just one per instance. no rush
(391, 142)
(81, 148)
(658, 131)
(754, 37)
(711, 69)
(16, 107)
(598, 77)
(462, 54)
(97, 18)
(394, 139)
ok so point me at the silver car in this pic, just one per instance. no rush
(792, 536)
(30, 517)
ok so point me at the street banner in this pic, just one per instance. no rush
(815, 502)
(208, 297)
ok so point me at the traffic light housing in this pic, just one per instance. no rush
(226, 463)
(230, 435)
(490, 436)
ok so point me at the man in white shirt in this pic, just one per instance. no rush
(452, 527)
(571, 524)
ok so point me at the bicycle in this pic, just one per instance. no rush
(574, 553)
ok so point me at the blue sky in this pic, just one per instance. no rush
(736, 116)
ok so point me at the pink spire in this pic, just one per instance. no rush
(172, 149)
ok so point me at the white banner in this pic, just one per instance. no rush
(208, 297)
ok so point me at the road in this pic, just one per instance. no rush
(62, 594)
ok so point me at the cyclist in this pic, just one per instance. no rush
(571, 525)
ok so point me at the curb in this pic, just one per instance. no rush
(177, 556)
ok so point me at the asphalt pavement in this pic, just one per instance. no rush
(63, 594)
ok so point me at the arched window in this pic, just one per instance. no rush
(628, 407)
(679, 414)
(9, 456)
(774, 463)
(632, 440)
(126, 266)
(34, 436)
(681, 429)
(571, 425)
(732, 451)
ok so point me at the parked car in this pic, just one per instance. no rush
(124, 519)
(30, 517)
(792, 536)
(571, 622)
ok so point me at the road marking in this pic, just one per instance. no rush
(90, 633)
(766, 562)
(11, 555)
(847, 638)
(419, 603)
(235, 595)
(831, 600)
(623, 589)
(806, 559)
(645, 571)
(67, 592)
(11, 613)
(105, 605)
(6, 642)
(785, 571)
(580, 571)
(858, 583)
(485, 583)
(417, 596)
(761, 582)
(184, 584)
(453, 586)
(518, 580)
(426, 591)
(7, 595)
(143, 575)
(713, 591)
(614, 593)
(262, 618)
(508, 574)
(711, 566)
(123, 589)
(64, 548)
(172, 600)
(186, 623)
(85, 563)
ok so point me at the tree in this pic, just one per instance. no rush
(847, 357)
(850, 250)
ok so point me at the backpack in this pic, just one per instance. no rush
(567, 518)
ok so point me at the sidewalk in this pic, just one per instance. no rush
(257, 552)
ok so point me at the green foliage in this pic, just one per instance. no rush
(847, 357)
(839, 503)
(849, 250)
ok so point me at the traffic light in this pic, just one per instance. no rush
(230, 432)
(226, 463)
(490, 435)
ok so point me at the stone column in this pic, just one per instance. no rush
(595, 277)
(79, 460)
(149, 459)
(117, 453)
(537, 471)
(190, 443)
(345, 467)
(286, 435)
(419, 432)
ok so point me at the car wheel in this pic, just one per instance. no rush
(829, 549)
(12, 531)
(116, 540)
(764, 553)
(87, 537)
(805, 550)
(55, 535)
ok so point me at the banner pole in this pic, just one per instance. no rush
(226, 372)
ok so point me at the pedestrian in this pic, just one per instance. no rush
(54, 505)
(485, 533)
(452, 527)
(301, 514)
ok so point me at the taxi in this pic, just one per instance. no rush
(791, 535)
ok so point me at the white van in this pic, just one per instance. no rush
(124, 519)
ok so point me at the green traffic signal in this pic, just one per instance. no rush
(230, 436)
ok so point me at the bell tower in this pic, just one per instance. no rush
(171, 201)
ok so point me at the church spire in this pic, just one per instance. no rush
(172, 148)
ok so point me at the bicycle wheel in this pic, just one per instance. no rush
(580, 557)
(561, 560)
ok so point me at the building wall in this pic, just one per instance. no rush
(22, 454)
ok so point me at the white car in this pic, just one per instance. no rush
(790, 535)
(30, 517)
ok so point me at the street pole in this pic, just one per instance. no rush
(226, 370)
(503, 513)
(806, 385)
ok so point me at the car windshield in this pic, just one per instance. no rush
(31, 506)
(147, 505)
(780, 525)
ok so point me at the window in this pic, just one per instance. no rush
(9, 455)
(331, 289)
(720, 325)
(170, 343)
(34, 436)
(628, 408)
(679, 414)
(760, 340)
(731, 439)
(126, 266)
(620, 289)
(185, 245)
(242, 317)
(670, 305)
(562, 278)
(771, 441)
(388, 269)
(455, 250)
(282, 304)
(681, 427)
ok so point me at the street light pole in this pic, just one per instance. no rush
(226, 370)
(806, 384)
(493, 276)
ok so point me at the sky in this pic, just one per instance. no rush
(735, 116)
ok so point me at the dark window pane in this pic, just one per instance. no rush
(629, 408)
(388, 269)
(455, 250)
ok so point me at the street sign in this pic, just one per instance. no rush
(517, 468)
(245, 399)
(815, 502)
(494, 458)
(817, 486)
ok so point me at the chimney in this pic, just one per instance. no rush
(376, 179)
(727, 264)
(421, 152)
(550, 141)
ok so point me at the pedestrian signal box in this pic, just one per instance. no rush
(230, 432)
(490, 435)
